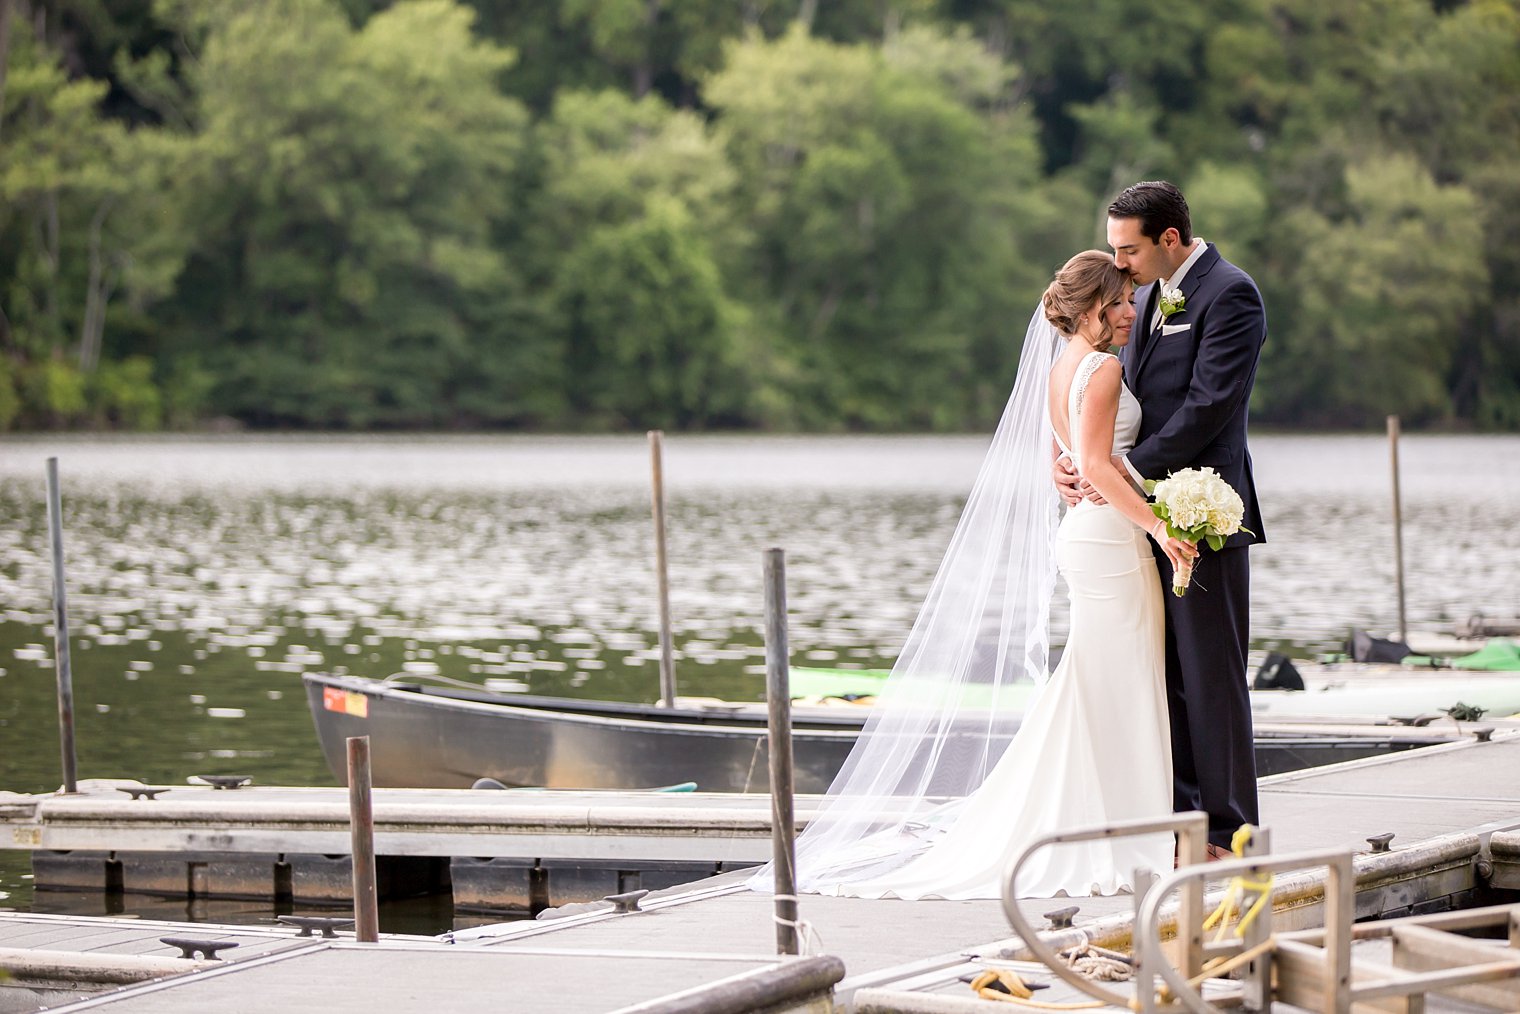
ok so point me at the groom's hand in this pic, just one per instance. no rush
(1068, 483)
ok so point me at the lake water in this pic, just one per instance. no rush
(205, 575)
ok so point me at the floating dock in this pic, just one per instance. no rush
(498, 851)
(1453, 812)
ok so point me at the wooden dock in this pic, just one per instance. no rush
(496, 851)
(1454, 812)
(499, 851)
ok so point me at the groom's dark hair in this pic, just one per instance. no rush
(1159, 206)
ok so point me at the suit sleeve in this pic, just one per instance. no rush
(1222, 372)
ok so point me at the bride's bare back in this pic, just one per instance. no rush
(1062, 374)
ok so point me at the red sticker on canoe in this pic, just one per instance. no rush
(345, 702)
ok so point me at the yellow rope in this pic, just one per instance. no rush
(1235, 894)
(1018, 992)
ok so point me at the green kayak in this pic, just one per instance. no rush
(811, 686)
(1499, 655)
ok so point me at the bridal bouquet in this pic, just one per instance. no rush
(1199, 506)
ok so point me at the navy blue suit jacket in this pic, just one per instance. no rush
(1194, 384)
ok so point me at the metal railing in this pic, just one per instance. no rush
(1191, 830)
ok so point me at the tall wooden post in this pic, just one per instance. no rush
(63, 666)
(1398, 524)
(361, 814)
(661, 568)
(779, 702)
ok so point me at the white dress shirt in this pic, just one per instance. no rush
(1173, 283)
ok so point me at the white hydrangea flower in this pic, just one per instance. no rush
(1198, 504)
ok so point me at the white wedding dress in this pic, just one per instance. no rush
(1093, 749)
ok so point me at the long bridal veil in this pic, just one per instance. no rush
(949, 709)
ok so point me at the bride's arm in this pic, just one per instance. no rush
(1099, 410)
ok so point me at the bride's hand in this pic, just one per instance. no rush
(1180, 552)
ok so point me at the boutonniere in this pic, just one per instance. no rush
(1172, 302)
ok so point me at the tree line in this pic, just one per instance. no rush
(700, 214)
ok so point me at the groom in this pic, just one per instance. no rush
(1198, 334)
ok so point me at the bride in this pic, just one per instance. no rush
(947, 783)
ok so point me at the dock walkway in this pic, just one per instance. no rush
(1445, 805)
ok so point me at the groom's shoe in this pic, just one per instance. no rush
(1211, 854)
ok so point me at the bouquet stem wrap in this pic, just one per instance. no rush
(1181, 578)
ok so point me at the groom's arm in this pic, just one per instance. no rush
(1221, 381)
(1064, 474)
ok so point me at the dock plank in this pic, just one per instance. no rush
(84, 934)
(425, 980)
(877, 933)
(1467, 770)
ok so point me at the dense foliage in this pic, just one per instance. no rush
(691, 214)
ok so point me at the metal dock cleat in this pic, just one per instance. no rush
(190, 946)
(141, 791)
(1061, 918)
(224, 781)
(1380, 842)
(328, 924)
(626, 902)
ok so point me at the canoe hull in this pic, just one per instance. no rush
(423, 739)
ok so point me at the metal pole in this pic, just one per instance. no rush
(779, 701)
(1398, 524)
(662, 574)
(62, 664)
(361, 815)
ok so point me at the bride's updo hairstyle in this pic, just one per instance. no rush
(1088, 277)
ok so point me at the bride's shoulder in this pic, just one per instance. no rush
(1095, 361)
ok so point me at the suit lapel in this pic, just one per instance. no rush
(1141, 338)
(1190, 284)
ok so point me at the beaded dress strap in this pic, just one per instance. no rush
(1085, 370)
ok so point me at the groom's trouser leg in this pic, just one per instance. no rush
(1207, 633)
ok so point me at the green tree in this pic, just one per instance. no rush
(1449, 92)
(82, 203)
(1386, 297)
(125, 393)
(782, 213)
(884, 189)
(346, 183)
(1232, 202)
(650, 329)
(10, 398)
(634, 231)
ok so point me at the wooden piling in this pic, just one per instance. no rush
(779, 702)
(662, 573)
(362, 824)
(1398, 524)
(62, 664)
